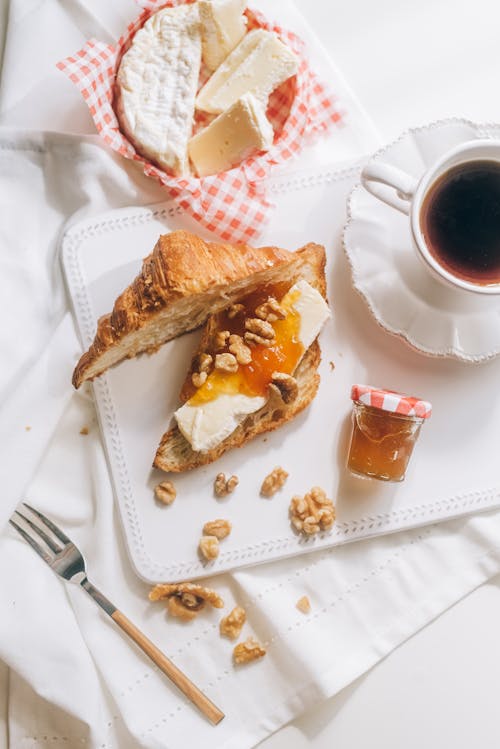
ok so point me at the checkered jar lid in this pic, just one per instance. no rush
(389, 400)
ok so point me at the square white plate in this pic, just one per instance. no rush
(453, 472)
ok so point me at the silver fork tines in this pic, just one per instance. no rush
(61, 555)
(39, 531)
(53, 527)
(34, 544)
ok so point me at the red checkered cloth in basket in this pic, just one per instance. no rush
(231, 204)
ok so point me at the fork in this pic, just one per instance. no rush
(66, 560)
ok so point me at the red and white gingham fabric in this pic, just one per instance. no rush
(388, 400)
(231, 204)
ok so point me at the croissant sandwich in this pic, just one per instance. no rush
(256, 364)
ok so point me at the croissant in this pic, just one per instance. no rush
(181, 283)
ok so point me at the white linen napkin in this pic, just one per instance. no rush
(75, 680)
(62, 651)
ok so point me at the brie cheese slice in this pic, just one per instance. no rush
(223, 26)
(258, 65)
(313, 311)
(206, 425)
(157, 81)
(233, 136)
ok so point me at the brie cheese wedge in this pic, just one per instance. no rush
(258, 65)
(207, 424)
(223, 26)
(233, 136)
(156, 83)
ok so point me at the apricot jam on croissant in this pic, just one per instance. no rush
(282, 355)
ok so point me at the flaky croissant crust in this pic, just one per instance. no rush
(181, 265)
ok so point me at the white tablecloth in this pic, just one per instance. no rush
(73, 678)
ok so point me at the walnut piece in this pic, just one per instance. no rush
(286, 385)
(198, 379)
(312, 513)
(221, 339)
(273, 482)
(259, 327)
(209, 547)
(270, 311)
(252, 339)
(185, 600)
(232, 624)
(241, 352)
(223, 486)
(219, 528)
(234, 310)
(204, 362)
(178, 608)
(226, 363)
(247, 651)
(304, 605)
(165, 492)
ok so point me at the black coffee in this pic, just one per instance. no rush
(460, 221)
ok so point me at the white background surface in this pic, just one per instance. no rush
(410, 63)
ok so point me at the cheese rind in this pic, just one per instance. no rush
(233, 136)
(206, 425)
(223, 26)
(258, 65)
(157, 82)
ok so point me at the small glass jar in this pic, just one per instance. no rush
(386, 426)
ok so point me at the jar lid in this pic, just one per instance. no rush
(388, 400)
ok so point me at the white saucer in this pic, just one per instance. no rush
(401, 294)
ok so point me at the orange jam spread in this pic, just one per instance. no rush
(382, 442)
(254, 378)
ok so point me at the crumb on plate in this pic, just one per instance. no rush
(304, 605)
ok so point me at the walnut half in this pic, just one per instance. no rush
(286, 385)
(165, 492)
(312, 513)
(204, 364)
(239, 350)
(247, 651)
(226, 363)
(273, 482)
(219, 528)
(223, 486)
(259, 327)
(270, 311)
(185, 600)
(232, 624)
(209, 547)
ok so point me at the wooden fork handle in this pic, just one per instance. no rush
(180, 680)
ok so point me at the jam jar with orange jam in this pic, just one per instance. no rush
(385, 429)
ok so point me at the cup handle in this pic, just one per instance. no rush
(390, 185)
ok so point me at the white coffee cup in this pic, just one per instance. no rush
(405, 193)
